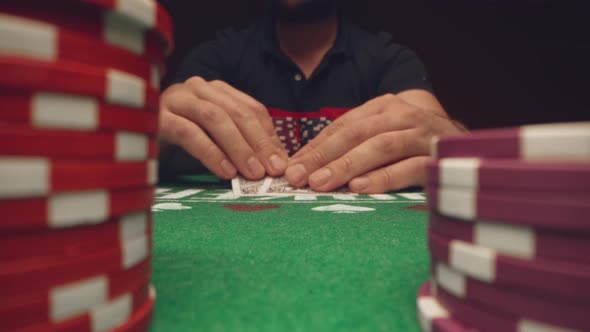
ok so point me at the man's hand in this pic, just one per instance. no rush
(227, 130)
(380, 146)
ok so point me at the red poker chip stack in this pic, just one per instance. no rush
(509, 231)
(79, 107)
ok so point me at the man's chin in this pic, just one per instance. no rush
(305, 12)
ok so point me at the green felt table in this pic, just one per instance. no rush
(326, 263)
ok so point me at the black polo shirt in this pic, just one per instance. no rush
(360, 66)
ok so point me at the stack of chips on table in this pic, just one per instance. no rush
(79, 91)
(509, 231)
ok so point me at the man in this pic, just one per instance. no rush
(302, 69)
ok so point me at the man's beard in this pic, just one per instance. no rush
(308, 11)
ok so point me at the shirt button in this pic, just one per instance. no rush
(298, 77)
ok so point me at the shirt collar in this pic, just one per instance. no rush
(269, 43)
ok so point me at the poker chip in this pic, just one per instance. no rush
(79, 121)
(515, 240)
(58, 271)
(69, 112)
(558, 279)
(127, 24)
(545, 210)
(65, 144)
(482, 318)
(432, 316)
(73, 208)
(509, 174)
(71, 273)
(36, 177)
(510, 301)
(150, 15)
(508, 232)
(113, 315)
(141, 318)
(561, 141)
(62, 302)
(61, 76)
(42, 41)
(51, 246)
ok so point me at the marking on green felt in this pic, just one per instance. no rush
(417, 207)
(250, 207)
(169, 206)
(196, 195)
(342, 208)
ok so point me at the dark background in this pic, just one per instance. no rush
(493, 62)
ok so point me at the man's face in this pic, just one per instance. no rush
(303, 11)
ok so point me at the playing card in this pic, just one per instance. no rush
(280, 185)
(242, 186)
(270, 186)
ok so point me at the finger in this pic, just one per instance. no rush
(237, 102)
(258, 108)
(406, 173)
(344, 139)
(220, 127)
(194, 140)
(353, 116)
(380, 150)
(260, 111)
(271, 155)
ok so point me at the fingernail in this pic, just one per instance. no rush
(255, 167)
(296, 174)
(360, 184)
(320, 177)
(277, 163)
(228, 168)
